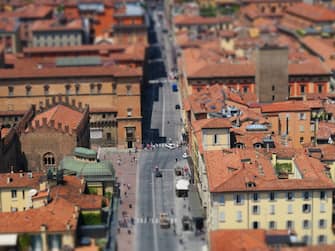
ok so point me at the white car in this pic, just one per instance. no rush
(185, 156)
(170, 146)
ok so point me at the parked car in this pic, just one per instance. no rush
(170, 146)
(177, 107)
(164, 220)
(158, 174)
(185, 156)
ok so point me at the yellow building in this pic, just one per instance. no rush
(246, 191)
(16, 191)
(112, 92)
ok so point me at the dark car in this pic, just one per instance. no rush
(158, 174)
(177, 107)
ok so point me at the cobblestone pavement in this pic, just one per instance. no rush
(125, 165)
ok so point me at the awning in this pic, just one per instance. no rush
(196, 209)
(8, 240)
(182, 184)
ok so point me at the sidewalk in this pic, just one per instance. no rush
(125, 166)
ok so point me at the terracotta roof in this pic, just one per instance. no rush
(325, 130)
(89, 71)
(20, 180)
(197, 20)
(60, 114)
(285, 106)
(238, 240)
(243, 166)
(313, 13)
(73, 191)
(8, 24)
(54, 25)
(55, 216)
(33, 11)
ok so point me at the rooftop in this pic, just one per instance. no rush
(56, 25)
(285, 106)
(20, 180)
(197, 20)
(315, 13)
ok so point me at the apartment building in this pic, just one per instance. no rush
(246, 191)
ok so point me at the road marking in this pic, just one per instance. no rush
(154, 212)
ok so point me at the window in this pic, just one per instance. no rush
(322, 223)
(322, 239)
(272, 196)
(290, 209)
(306, 195)
(322, 208)
(239, 216)
(23, 194)
(10, 91)
(28, 90)
(290, 195)
(302, 89)
(255, 209)
(49, 160)
(289, 224)
(301, 128)
(319, 88)
(273, 88)
(99, 86)
(238, 199)
(114, 88)
(221, 199)
(92, 88)
(46, 90)
(306, 224)
(245, 89)
(255, 225)
(323, 195)
(67, 89)
(130, 132)
(272, 209)
(129, 112)
(14, 194)
(255, 196)
(273, 97)
(222, 217)
(215, 139)
(128, 89)
(306, 208)
(302, 116)
(272, 225)
(77, 89)
(301, 140)
(306, 239)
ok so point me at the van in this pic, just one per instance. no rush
(174, 87)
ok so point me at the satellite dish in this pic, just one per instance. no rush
(32, 192)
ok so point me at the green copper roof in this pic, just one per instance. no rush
(84, 152)
(99, 170)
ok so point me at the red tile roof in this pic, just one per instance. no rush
(54, 25)
(73, 191)
(55, 216)
(238, 240)
(285, 106)
(198, 20)
(60, 114)
(89, 71)
(8, 24)
(233, 173)
(313, 13)
(33, 11)
(20, 180)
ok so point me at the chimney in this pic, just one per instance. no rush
(66, 128)
(30, 175)
(73, 102)
(43, 228)
(9, 180)
(59, 125)
(52, 123)
(21, 175)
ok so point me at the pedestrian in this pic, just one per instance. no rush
(129, 152)
(176, 159)
(119, 162)
(128, 186)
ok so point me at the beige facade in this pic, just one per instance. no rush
(104, 93)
